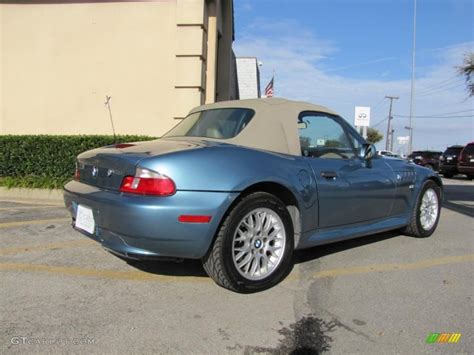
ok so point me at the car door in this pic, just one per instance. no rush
(350, 190)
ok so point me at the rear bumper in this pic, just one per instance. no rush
(143, 226)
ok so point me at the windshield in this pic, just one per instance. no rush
(218, 123)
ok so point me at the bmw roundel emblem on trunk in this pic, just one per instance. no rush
(109, 172)
(94, 171)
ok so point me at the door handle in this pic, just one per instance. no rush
(329, 174)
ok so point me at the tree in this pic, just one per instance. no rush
(467, 70)
(373, 136)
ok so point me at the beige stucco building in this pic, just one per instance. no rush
(156, 59)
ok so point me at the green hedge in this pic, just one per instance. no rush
(45, 160)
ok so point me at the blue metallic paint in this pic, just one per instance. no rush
(210, 176)
(149, 225)
(229, 168)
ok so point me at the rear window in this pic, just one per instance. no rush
(453, 151)
(218, 123)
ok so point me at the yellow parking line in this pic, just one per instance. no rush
(29, 207)
(34, 203)
(422, 264)
(51, 246)
(32, 222)
(136, 275)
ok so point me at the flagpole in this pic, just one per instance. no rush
(273, 82)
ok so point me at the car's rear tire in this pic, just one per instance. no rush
(254, 245)
(426, 212)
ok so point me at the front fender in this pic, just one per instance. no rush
(422, 175)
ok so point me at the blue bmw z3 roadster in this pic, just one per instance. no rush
(242, 184)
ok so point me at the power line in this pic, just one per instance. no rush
(435, 116)
(440, 115)
(375, 107)
(380, 111)
(439, 84)
(441, 89)
(380, 108)
(451, 113)
(380, 122)
(428, 91)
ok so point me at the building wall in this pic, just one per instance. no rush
(226, 89)
(59, 61)
(248, 77)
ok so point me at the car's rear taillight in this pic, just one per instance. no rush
(148, 182)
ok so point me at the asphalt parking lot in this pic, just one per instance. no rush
(61, 292)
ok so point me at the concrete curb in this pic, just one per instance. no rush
(55, 195)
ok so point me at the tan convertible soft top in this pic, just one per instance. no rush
(274, 126)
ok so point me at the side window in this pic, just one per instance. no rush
(356, 140)
(322, 136)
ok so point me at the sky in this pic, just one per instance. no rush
(347, 53)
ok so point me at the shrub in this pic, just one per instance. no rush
(47, 160)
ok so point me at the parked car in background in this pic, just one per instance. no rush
(448, 162)
(388, 153)
(427, 158)
(466, 161)
(241, 184)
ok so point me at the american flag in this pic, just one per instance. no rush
(269, 89)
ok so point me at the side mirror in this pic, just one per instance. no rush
(368, 152)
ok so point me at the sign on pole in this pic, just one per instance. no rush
(362, 116)
(402, 140)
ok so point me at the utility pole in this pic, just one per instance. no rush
(412, 91)
(389, 139)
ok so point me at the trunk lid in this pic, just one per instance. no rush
(107, 166)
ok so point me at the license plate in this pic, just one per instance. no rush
(85, 219)
(471, 160)
(449, 159)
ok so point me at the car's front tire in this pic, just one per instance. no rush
(254, 245)
(426, 212)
